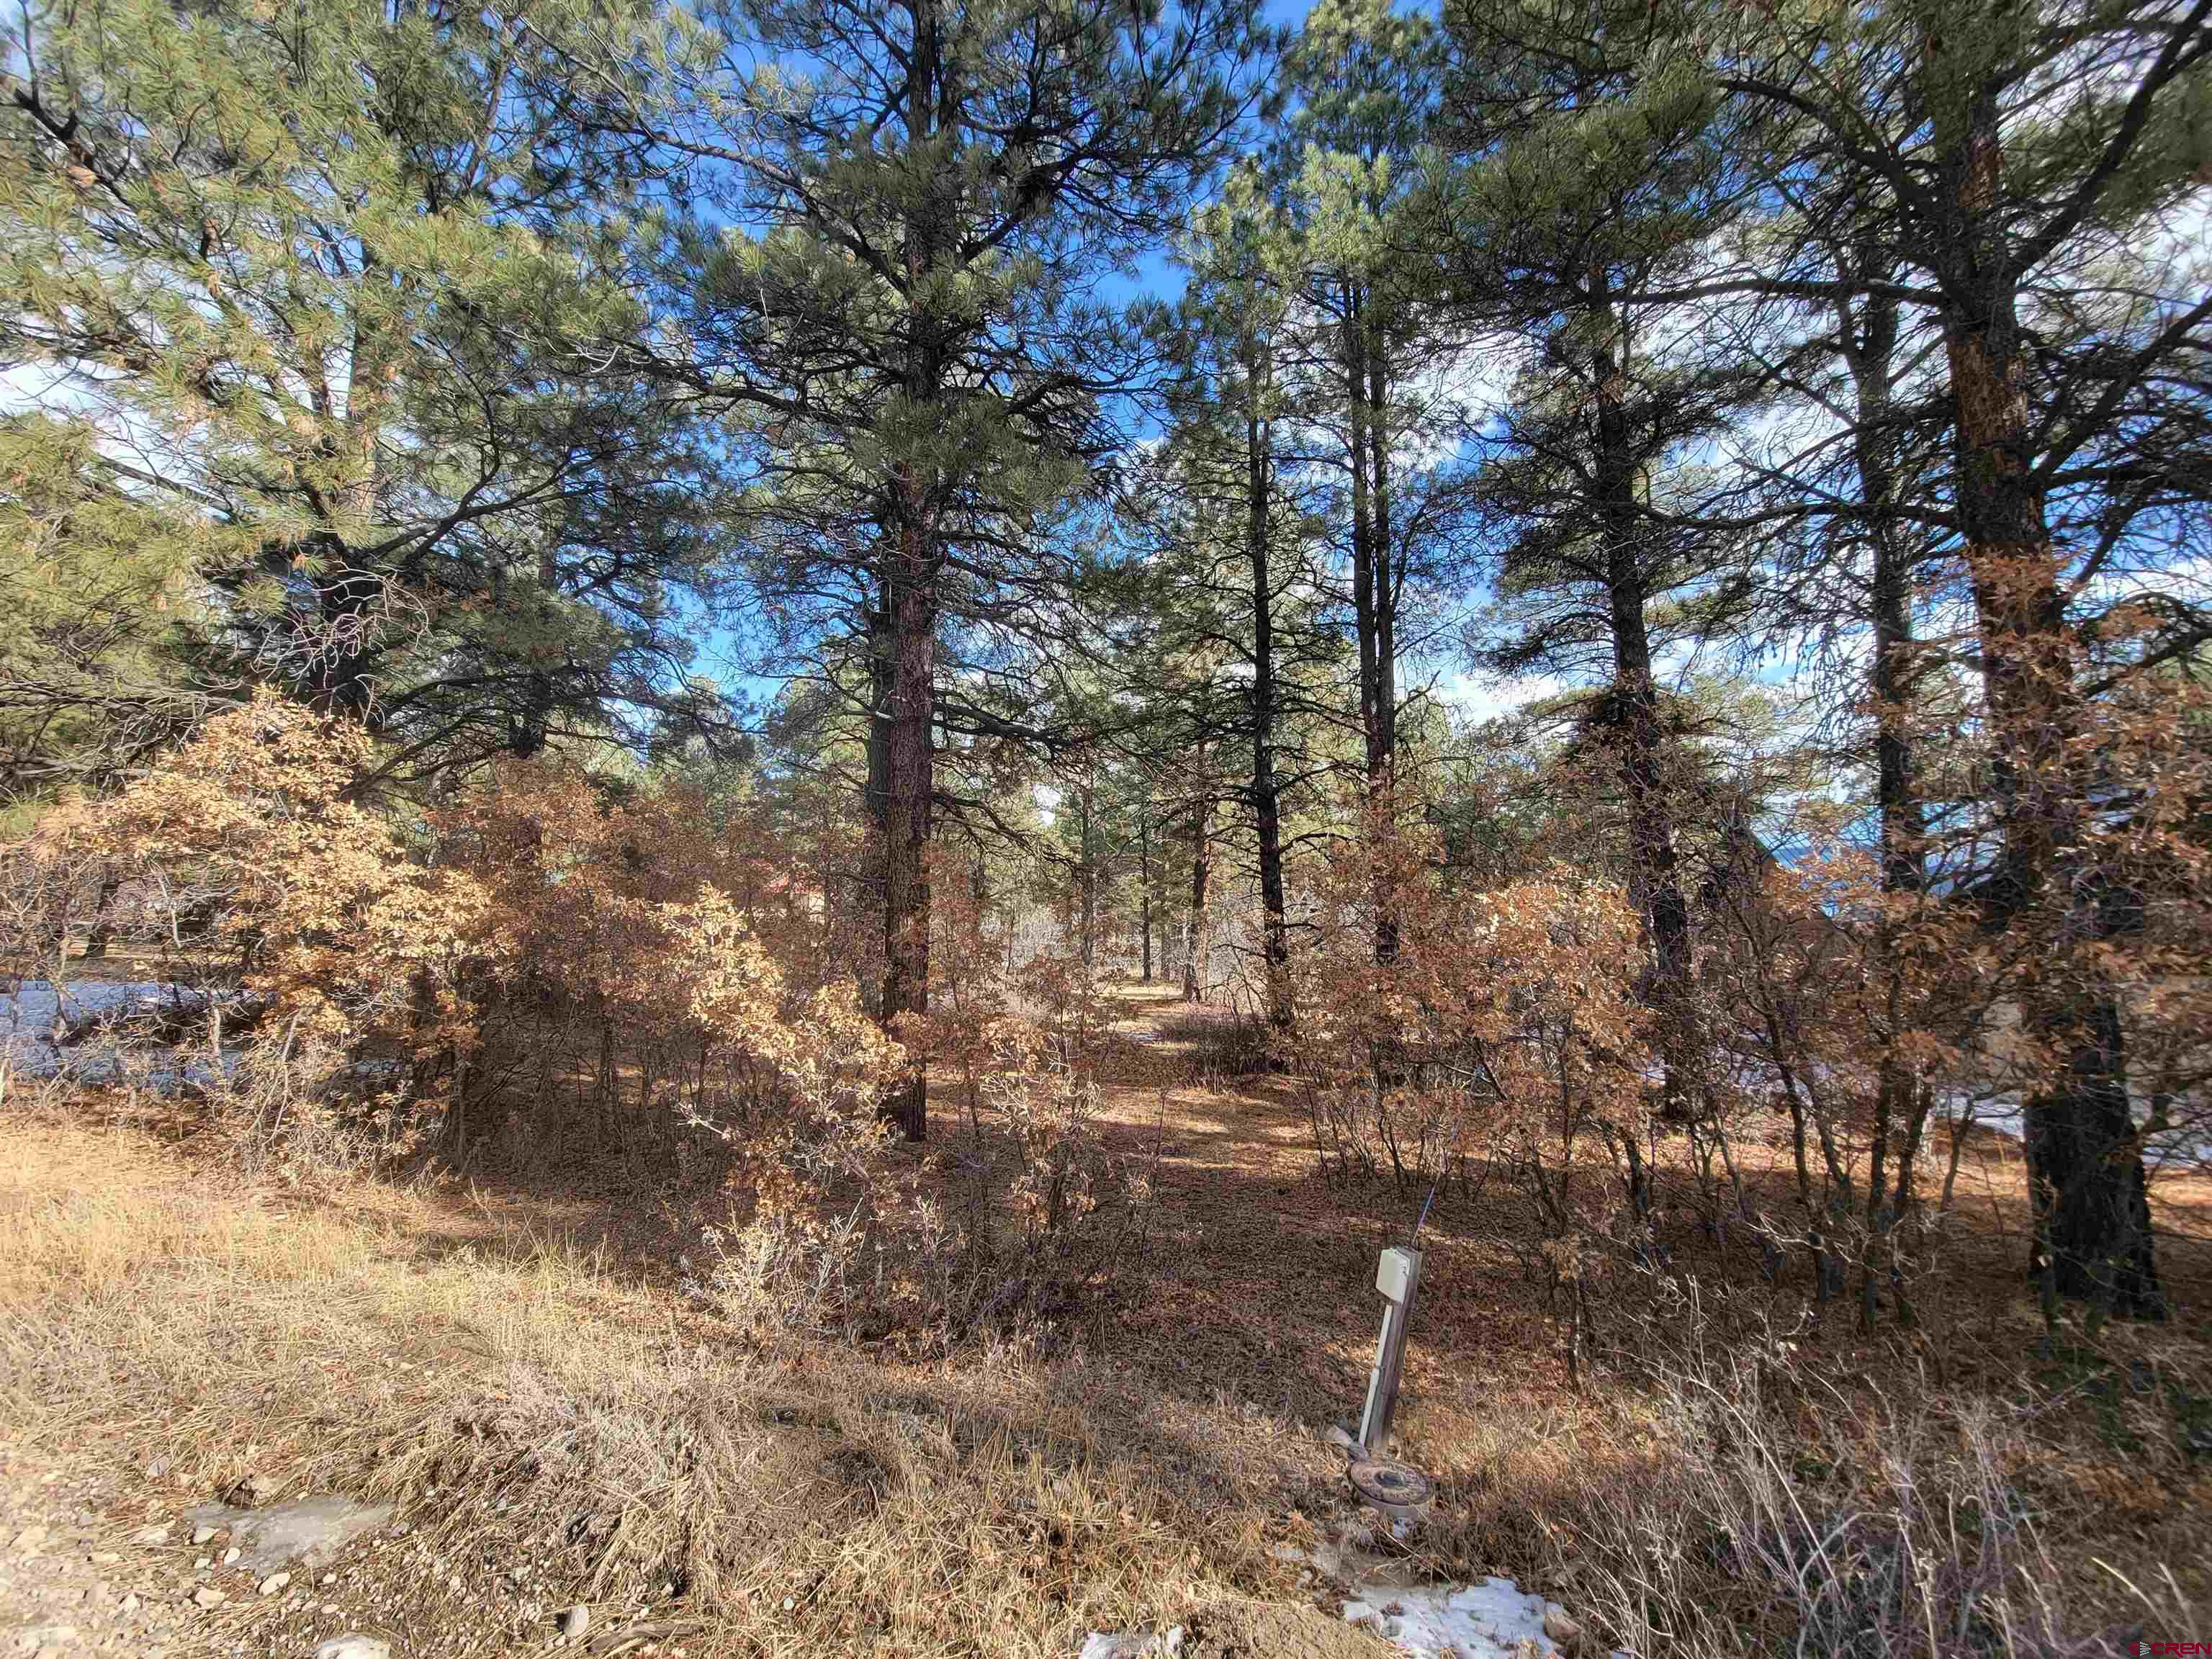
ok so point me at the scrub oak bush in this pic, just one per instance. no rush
(525, 964)
(535, 966)
(1498, 1034)
(1009, 1228)
(1503, 1022)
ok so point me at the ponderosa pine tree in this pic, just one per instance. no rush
(1569, 200)
(1176, 675)
(1975, 71)
(332, 291)
(921, 197)
(1869, 487)
(1892, 553)
(1844, 494)
(101, 604)
(1367, 79)
(1236, 508)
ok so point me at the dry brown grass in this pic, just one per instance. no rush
(524, 1394)
(519, 1371)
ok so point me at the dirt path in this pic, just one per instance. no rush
(1259, 1278)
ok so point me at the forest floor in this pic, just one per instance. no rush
(516, 1370)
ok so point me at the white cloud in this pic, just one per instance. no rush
(1488, 696)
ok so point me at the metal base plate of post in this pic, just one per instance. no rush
(1400, 1492)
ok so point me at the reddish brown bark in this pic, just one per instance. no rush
(909, 768)
(1639, 730)
(2093, 1218)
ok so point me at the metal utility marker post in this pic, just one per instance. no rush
(1398, 1275)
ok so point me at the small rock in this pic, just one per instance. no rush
(1171, 1642)
(255, 1488)
(203, 1563)
(129, 1604)
(575, 1621)
(328, 1578)
(274, 1582)
(156, 1467)
(104, 1559)
(1337, 1435)
(208, 1596)
(355, 1647)
(150, 1535)
(203, 1533)
(26, 1541)
(230, 1555)
(1562, 1630)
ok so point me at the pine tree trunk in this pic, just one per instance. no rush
(1194, 941)
(1870, 353)
(2093, 1217)
(1266, 809)
(1087, 876)
(1363, 523)
(910, 768)
(910, 765)
(346, 596)
(1144, 893)
(1383, 751)
(876, 797)
(1638, 729)
(1900, 1099)
(1383, 733)
(1373, 591)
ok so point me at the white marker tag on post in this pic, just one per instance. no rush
(1393, 1274)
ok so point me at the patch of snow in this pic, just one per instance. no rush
(2003, 1113)
(1492, 1620)
(1488, 1621)
(30, 1014)
(309, 1529)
